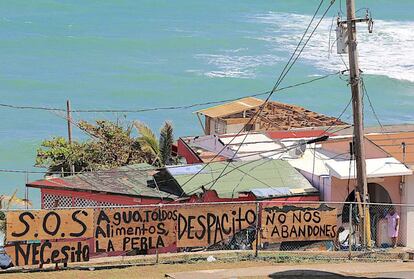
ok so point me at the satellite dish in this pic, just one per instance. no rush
(300, 149)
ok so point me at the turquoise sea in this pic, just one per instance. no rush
(131, 54)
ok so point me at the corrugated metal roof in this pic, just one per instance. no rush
(242, 177)
(129, 180)
(188, 169)
(252, 146)
(269, 192)
(232, 107)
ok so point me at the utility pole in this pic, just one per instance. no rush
(354, 79)
(69, 120)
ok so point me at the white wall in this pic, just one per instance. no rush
(322, 183)
(325, 187)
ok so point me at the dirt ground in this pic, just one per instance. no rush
(153, 271)
(253, 269)
(141, 267)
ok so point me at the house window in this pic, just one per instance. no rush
(219, 127)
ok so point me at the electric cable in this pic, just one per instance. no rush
(285, 71)
(10, 106)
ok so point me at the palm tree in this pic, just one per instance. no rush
(5, 203)
(158, 151)
(166, 141)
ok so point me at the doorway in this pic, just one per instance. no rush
(377, 194)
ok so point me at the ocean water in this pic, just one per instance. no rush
(139, 54)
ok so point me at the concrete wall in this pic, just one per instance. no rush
(339, 191)
(325, 187)
(407, 214)
(342, 146)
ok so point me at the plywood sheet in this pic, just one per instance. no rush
(125, 229)
(204, 225)
(49, 224)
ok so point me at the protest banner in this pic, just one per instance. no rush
(305, 222)
(205, 225)
(26, 225)
(126, 229)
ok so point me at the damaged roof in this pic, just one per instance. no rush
(264, 178)
(130, 180)
(232, 107)
(274, 116)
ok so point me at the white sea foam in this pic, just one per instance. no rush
(389, 50)
(236, 66)
(235, 50)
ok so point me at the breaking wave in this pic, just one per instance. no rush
(388, 51)
(236, 66)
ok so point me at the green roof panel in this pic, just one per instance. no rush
(240, 177)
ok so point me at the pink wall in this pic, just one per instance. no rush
(342, 146)
(339, 191)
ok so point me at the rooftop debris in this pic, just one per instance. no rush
(275, 116)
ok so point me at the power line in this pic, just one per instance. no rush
(242, 178)
(30, 107)
(124, 171)
(339, 117)
(259, 111)
(157, 168)
(283, 74)
(76, 124)
(53, 109)
(288, 66)
(57, 111)
(364, 89)
(266, 160)
(277, 151)
(395, 138)
(270, 94)
(407, 144)
(282, 150)
(250, 154)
